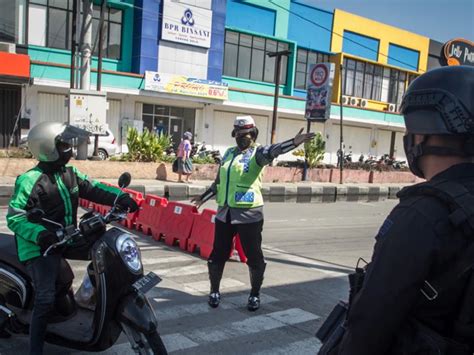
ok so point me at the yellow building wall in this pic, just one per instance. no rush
(386, 34)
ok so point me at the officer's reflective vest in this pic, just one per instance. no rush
(240, 179)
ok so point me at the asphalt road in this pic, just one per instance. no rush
(309, 249)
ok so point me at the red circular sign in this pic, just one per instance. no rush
(319, 75)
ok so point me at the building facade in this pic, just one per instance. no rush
(194, 65)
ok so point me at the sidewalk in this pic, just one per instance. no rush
(185, 190)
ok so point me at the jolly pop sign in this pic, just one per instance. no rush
(319, 90)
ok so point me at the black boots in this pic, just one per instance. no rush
(256, 279)
(215, 276)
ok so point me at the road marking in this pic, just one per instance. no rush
(175, 342)
(307, 346)
(200, 287)
(194, 269)
(193, 309)
(251, 325)
(170, 259)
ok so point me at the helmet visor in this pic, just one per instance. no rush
(71, 133)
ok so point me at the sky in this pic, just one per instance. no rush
(440, 20)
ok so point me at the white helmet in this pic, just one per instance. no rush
(244, 124)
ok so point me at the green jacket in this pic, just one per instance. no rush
(240, 179)
(56, 192)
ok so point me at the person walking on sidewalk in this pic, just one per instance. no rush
(185, 165)
(238, 188)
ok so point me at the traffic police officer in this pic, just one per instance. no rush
(239, 195)
(398, 311)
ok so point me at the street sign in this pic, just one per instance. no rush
(88, 110)
(319, 91)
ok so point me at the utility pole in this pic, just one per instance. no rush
(73, 45)
(95, 155)
(278, 56)
(341, 138)
(86, 56)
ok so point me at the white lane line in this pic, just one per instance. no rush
(281, 254)
(193, 309)
(175, 342)
(308, 346)
(200, 287)
(248, 326)
(169, 259)
(194, 269)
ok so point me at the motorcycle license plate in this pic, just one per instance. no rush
(146, 283)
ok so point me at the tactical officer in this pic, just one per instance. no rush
(418, 289)
(55, 188)
(238, 187)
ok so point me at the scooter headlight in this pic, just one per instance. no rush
(129, 252)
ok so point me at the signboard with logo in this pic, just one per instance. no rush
(88, 110)
(319, 91)
(182, 85)
(186, 24)
(458, 52)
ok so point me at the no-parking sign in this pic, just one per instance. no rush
(318, 100)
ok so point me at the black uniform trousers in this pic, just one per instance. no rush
(250, 237)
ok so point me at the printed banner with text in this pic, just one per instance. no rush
(182, 85)
(319, 91)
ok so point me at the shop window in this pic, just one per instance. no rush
(245, 56)
(374, 82)
(304, 59)
(50, 25)
(12, 21)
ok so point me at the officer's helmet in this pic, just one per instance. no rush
(439, 102)
(43, 139)
(243, 125)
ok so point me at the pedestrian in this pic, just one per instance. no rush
(417, 297)
(185, 165)
(238, 187)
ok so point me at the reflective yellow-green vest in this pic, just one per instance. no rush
(240, 179)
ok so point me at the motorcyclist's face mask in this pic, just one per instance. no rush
(65, 152)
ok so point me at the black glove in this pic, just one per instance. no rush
(46, 239)
(127, 203)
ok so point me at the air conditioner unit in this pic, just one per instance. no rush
(364, 103)
(354, 101)
(346, 100)
(392, 107)
(7, 47)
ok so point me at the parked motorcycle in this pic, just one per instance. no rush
(115, 272)
(201, 151)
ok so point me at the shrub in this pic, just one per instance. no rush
(313, 151)
(146, 146)
(203, 160)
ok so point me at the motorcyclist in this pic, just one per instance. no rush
(54, 187)
(398, 310)
(239, 196)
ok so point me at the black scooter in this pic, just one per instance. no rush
(115, 272)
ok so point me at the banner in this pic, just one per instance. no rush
(182, 85)
(319, 92)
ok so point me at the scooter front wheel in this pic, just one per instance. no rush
(155, 344)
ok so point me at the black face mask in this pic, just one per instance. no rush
(65, 155)
(243, 142)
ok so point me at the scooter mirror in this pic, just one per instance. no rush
(124, 180)
(35, 215)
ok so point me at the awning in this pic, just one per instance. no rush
(14, 68)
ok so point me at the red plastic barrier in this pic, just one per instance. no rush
(202, 234)
(176, 223)
(150, 213)
(239, 249)
(129, 222)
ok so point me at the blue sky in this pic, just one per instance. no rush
(440, 20)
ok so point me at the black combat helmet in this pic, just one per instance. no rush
(439, 102)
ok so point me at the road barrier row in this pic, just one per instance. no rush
(172, 222)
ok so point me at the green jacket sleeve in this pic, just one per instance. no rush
(95, 191)
(23, 197)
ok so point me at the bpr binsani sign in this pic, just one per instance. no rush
(458, 52)
(186, 24)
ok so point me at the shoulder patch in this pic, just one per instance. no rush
(386, 226)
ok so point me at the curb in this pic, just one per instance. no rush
(275, 192)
